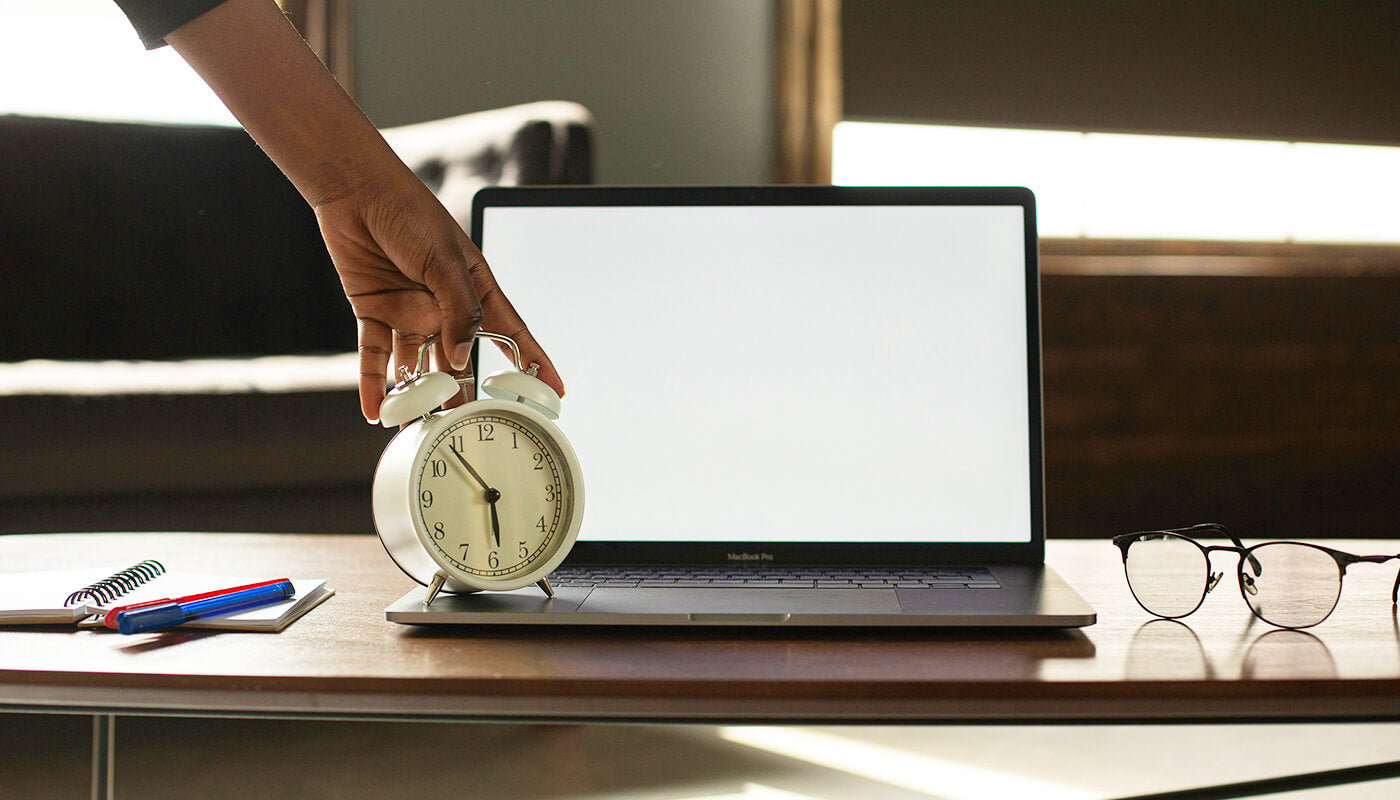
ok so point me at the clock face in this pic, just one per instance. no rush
(494, 496)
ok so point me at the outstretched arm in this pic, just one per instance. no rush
(407, 267)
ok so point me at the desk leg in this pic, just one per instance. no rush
(104, 730)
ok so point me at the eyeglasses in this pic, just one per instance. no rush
(1288, 584)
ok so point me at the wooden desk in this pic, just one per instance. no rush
(344, 661)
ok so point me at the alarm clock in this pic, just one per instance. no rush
(484, 496)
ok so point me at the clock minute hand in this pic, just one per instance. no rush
(491, 495)
(469, 468)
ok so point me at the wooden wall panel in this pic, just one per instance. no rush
(1270, 404)
(1274, 69)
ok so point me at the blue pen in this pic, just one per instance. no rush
(166, 615)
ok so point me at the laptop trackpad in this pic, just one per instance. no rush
(729, 602)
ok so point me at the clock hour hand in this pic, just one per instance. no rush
(491, 497)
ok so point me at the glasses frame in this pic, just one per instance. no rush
(1343, 559)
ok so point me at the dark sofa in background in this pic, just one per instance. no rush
(185, 255)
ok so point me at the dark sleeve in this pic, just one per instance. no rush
(153, 19)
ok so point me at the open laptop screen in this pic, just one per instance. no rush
(786, 365)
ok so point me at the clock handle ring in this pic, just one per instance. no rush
(424, 350)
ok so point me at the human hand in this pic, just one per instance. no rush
(407, 267)
(410, 271)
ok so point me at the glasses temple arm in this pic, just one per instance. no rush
(1343, 559)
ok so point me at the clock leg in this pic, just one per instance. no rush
(436, 586)
(545, 587)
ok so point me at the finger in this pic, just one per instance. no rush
(532, 353)
(375, 343)
(406, 347)
(449, 278)
(499, 316)
(440, 358)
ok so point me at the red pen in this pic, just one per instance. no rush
(110, 618)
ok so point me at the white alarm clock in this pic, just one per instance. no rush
(488, 495)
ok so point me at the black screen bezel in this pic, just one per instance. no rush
(758, 553)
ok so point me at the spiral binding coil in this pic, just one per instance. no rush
(118, 584)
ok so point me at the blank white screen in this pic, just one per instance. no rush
(783, 374)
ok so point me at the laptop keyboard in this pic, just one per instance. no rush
(779, 578)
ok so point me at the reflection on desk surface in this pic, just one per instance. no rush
(1234, 644)
(1165, 649)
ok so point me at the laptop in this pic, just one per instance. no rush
(793, 406)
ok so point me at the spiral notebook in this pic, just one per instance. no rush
(65, 597)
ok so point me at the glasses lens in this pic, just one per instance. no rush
(1167, 574)
(1291, 585)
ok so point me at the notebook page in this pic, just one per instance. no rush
(38, 597)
